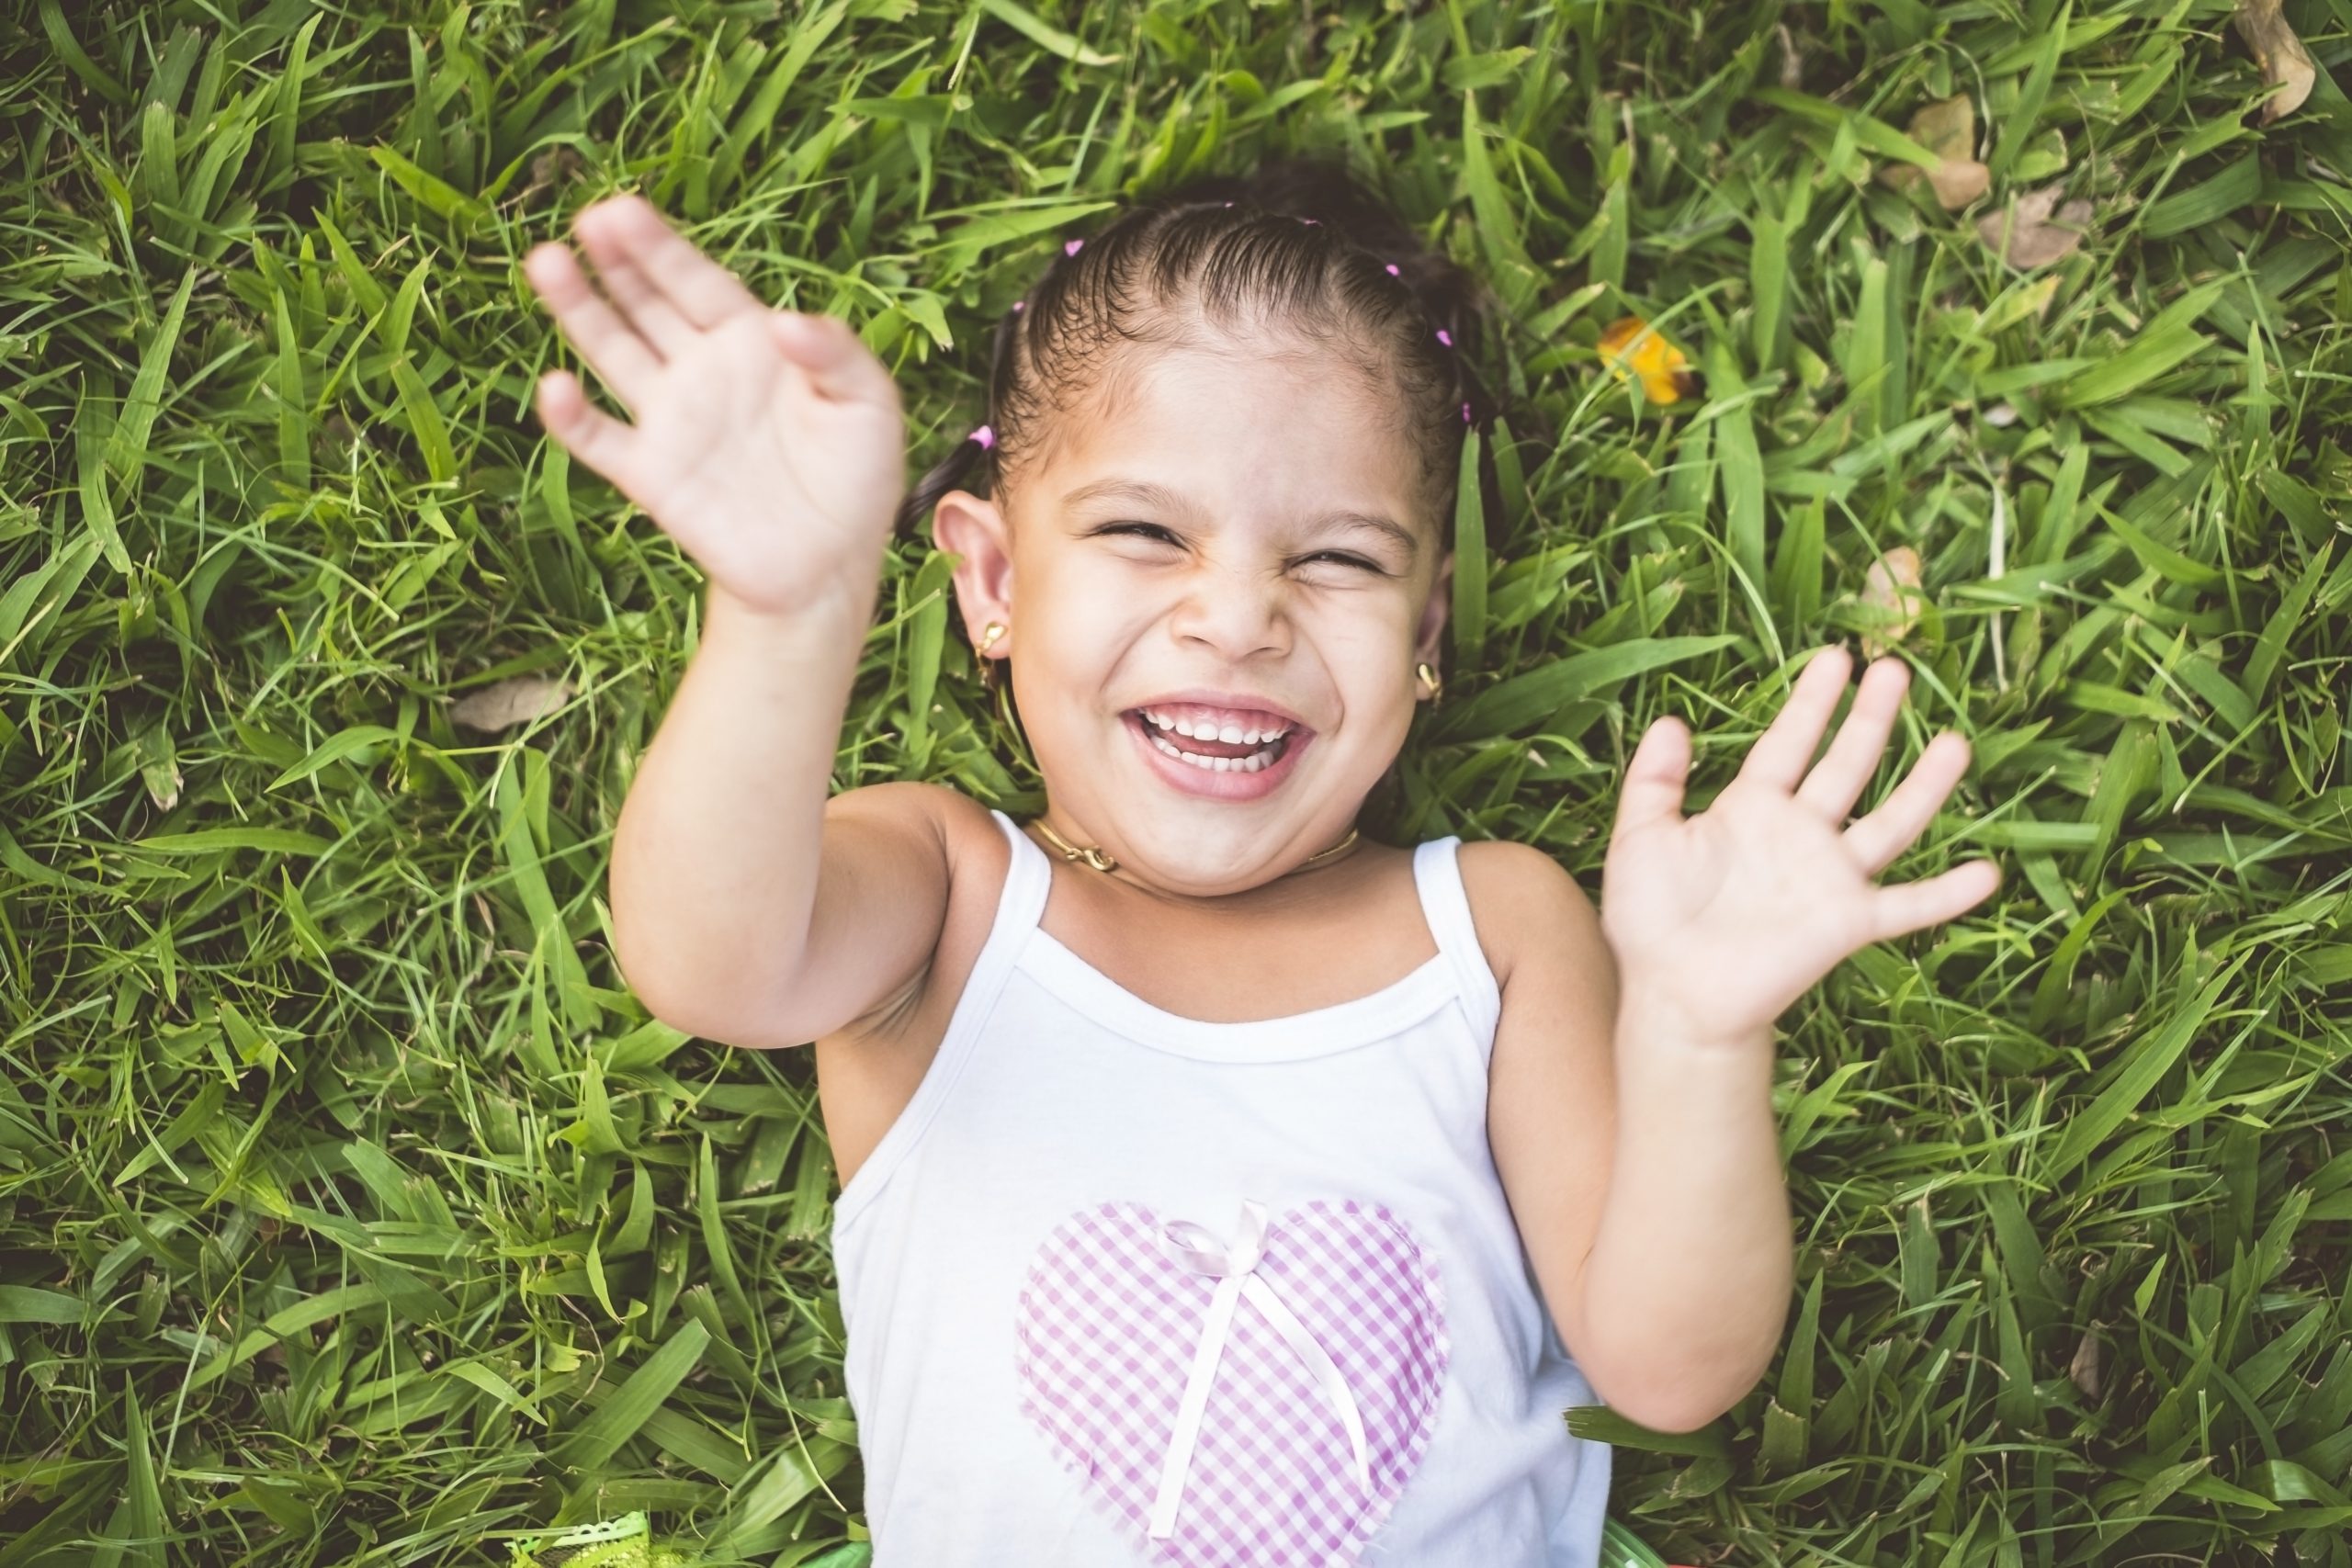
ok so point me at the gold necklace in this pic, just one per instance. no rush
(1095, 856)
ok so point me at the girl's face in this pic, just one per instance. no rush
(1235, 538)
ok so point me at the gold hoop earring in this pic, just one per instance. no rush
(1430, 677)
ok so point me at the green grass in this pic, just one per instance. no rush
(351, 1209)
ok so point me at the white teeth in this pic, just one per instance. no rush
(1249, 764)
(1231, 734)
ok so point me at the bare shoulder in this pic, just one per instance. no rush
(1528, 907)
(954, 823)
(965, 838)
(907, 801)
(979, 859)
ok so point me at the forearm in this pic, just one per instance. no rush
(715, 859)
(1687, 1288)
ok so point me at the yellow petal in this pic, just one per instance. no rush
(1630, 349)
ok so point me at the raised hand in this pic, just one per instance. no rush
(1726, 918)
(768, 443)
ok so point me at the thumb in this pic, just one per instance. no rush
(1653, 792)
(838, 362)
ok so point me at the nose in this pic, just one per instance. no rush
(1235, 612)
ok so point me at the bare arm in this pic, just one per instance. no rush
(1687, 1288)
(746, 905)
(1660, 1231)
(1645, 1180)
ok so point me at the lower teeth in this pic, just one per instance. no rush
(1257, 761)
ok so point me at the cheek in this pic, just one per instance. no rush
(1376, 628)
(1078, 629)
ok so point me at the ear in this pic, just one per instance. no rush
(975, 529)
(1433, 614)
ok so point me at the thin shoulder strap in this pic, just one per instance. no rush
(1022, 904)
(1437, 872)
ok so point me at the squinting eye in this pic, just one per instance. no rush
(1154, 528)
(1127, 527)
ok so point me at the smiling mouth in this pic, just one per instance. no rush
(1213, 756)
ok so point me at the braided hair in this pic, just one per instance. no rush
(1299, 243)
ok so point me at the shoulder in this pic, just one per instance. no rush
(953, 818)
(978, 857)
(956, 835)
(1525, 906)
(960, 830)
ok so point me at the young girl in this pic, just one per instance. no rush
(1220, 1187)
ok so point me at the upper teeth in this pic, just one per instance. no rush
(1230, 732)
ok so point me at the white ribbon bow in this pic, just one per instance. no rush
(1235, 1271)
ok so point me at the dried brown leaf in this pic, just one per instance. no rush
(2030, 234)
(514, 701)
(1891, 586)
(559, 165)
(2285, 62)
(1947, 127)
(1958, 182)
(2088, 1362)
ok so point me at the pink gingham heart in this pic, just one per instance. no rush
(1108, 1327)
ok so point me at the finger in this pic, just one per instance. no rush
(1655, 776)
(649, 311)
(626, 361)
(703, 291)
(1915, 906)
(1838, 780)
(1877, 839)
(838, 363)
(589, 433)
(1781, 754)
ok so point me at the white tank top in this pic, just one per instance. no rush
(1123, 1287)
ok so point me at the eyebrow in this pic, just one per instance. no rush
(1159, 496)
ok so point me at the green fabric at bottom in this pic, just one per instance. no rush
(624, 1542)
(627, 1543)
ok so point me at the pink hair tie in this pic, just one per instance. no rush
(984, 435)
(1021, 304)
(1445, 337)
(1392, 270)
(1466, 414)
(1071, 249)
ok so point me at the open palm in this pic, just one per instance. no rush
(1732, 915)
(770, 444)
